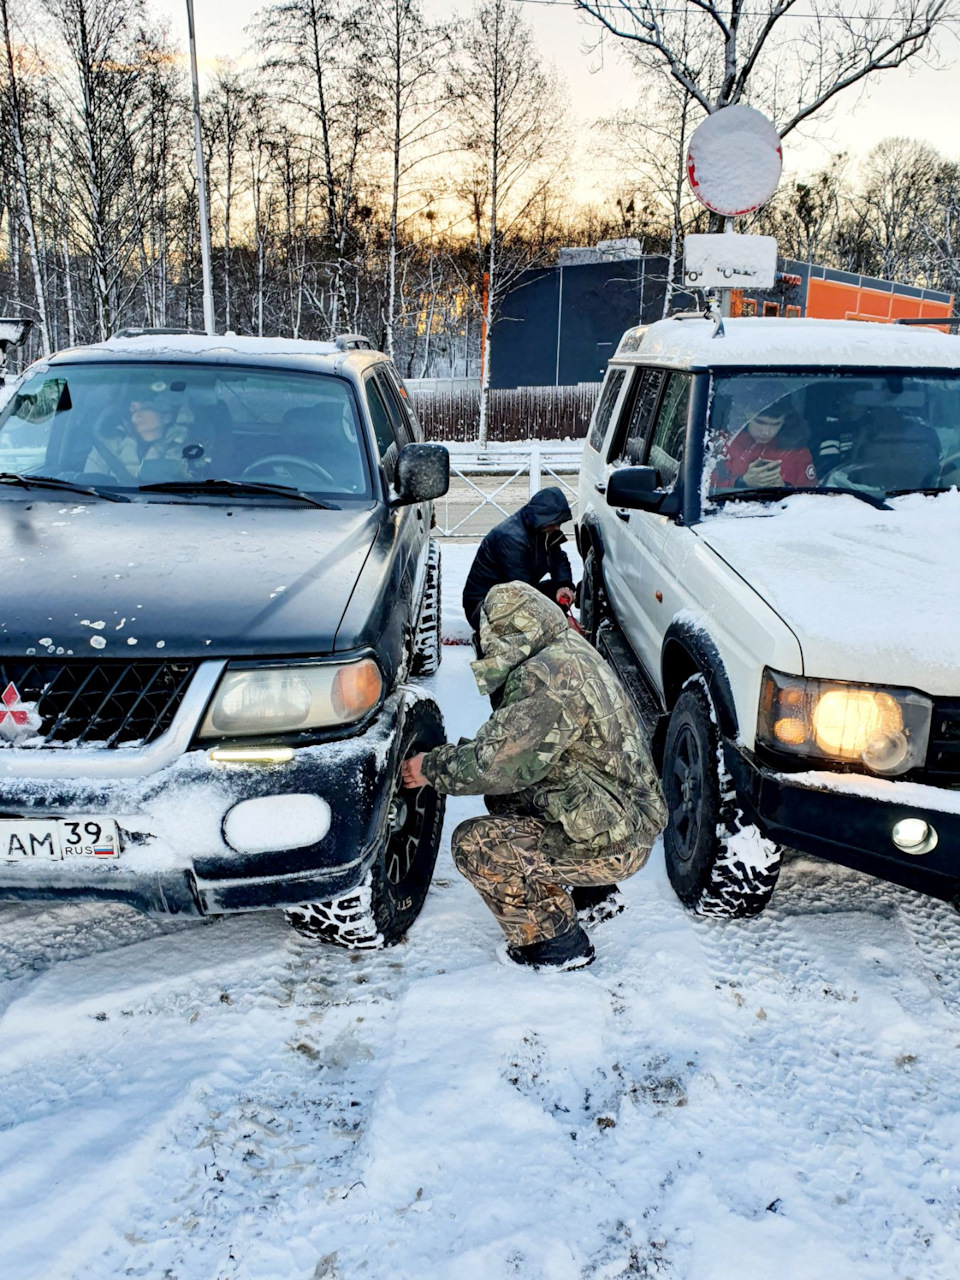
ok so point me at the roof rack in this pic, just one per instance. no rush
(353, 342)
(136, 331)
(712, 312)
(952, 321)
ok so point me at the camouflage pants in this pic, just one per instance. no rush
(525, 887)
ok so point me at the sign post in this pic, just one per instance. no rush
(734, 163)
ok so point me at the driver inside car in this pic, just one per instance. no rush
(148, 445)
(767, 454)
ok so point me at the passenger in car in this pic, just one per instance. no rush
(766, 454)
(149, 444)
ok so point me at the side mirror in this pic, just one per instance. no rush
(636, 488)
(423, 473)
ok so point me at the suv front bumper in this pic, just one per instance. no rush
(175, 857)
(849, 818)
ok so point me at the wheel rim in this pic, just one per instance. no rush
(686, 786)
(410, 815)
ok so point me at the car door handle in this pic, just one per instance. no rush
(600, 488)
(623, 515)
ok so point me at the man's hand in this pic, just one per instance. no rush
(566, 597)
(763, 474)
(410, 772)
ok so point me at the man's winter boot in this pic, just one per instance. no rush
(570, 950)
(596, 903)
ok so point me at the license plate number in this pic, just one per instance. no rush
(57, 839)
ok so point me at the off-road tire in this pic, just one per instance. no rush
(427, 648)
(705, 868)
(382, 908)
(593, 602)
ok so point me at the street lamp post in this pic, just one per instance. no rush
(209, 321)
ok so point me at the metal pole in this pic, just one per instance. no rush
(209, 321)
(729, 228)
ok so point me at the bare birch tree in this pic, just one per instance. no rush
(409, 60)
(16, 127)
(781, 57)
(508, 120)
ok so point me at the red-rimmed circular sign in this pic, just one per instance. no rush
(734, 161)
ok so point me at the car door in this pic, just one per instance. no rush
(405, 526)
(407, 431)
(646, 532)
(628, 446)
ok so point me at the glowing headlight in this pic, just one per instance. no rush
(885, 730)
(271, 700)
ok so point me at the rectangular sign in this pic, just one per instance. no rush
(58, 838)
(725, 261)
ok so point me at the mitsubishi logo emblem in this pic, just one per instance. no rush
(18, 719)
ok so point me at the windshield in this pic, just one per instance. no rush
(126, 426)
(872, 432)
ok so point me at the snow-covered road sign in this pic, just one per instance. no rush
(734, 160)
(729, 262)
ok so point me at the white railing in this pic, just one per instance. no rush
(471, 507)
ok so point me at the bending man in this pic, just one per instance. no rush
(526, 547)
(573, 795)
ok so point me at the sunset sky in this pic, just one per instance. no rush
(923, 103)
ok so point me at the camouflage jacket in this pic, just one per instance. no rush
(120, 452)
(565, 736)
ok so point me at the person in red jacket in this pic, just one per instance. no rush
(760, 457)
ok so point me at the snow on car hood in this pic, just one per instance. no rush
(172, 579)
(871, 595)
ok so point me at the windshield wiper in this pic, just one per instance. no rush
(51, 482)
(238, 487)
(784, 491)
(929, 490)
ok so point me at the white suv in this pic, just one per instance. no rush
(770, 528)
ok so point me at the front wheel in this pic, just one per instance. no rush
(718, 864)
(592, 599)
(427, 649)
(379, 911)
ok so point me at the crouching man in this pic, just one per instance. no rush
(574, 800)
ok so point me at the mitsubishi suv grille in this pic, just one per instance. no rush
(100, 704)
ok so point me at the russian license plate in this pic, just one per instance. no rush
(58, 838)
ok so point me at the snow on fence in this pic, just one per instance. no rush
(541, 413)
(489, 485)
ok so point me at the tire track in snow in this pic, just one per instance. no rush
(262, 1157)
(935, 929)
(819, 1069)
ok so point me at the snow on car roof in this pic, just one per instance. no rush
(776, 342)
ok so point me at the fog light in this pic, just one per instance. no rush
(276, 822)
(914, 836)
(251, 755)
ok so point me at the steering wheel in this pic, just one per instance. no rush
(280, 462)
(845, 477)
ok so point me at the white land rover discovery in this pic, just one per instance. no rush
(770, 527)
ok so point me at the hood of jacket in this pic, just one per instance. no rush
(549, 506)
(516, 622)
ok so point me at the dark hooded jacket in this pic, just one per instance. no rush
(518, 550)
(565, 743)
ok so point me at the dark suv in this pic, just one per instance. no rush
(218, 577)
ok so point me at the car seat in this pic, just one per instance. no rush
(316, 433)
(895, 452)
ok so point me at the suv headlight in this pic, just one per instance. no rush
(270, 700)
(885, 730)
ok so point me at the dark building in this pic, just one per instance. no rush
(559, 325)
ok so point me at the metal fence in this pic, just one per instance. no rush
(486, 487)
(542, 413)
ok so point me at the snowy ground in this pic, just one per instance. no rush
(772, 1100)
